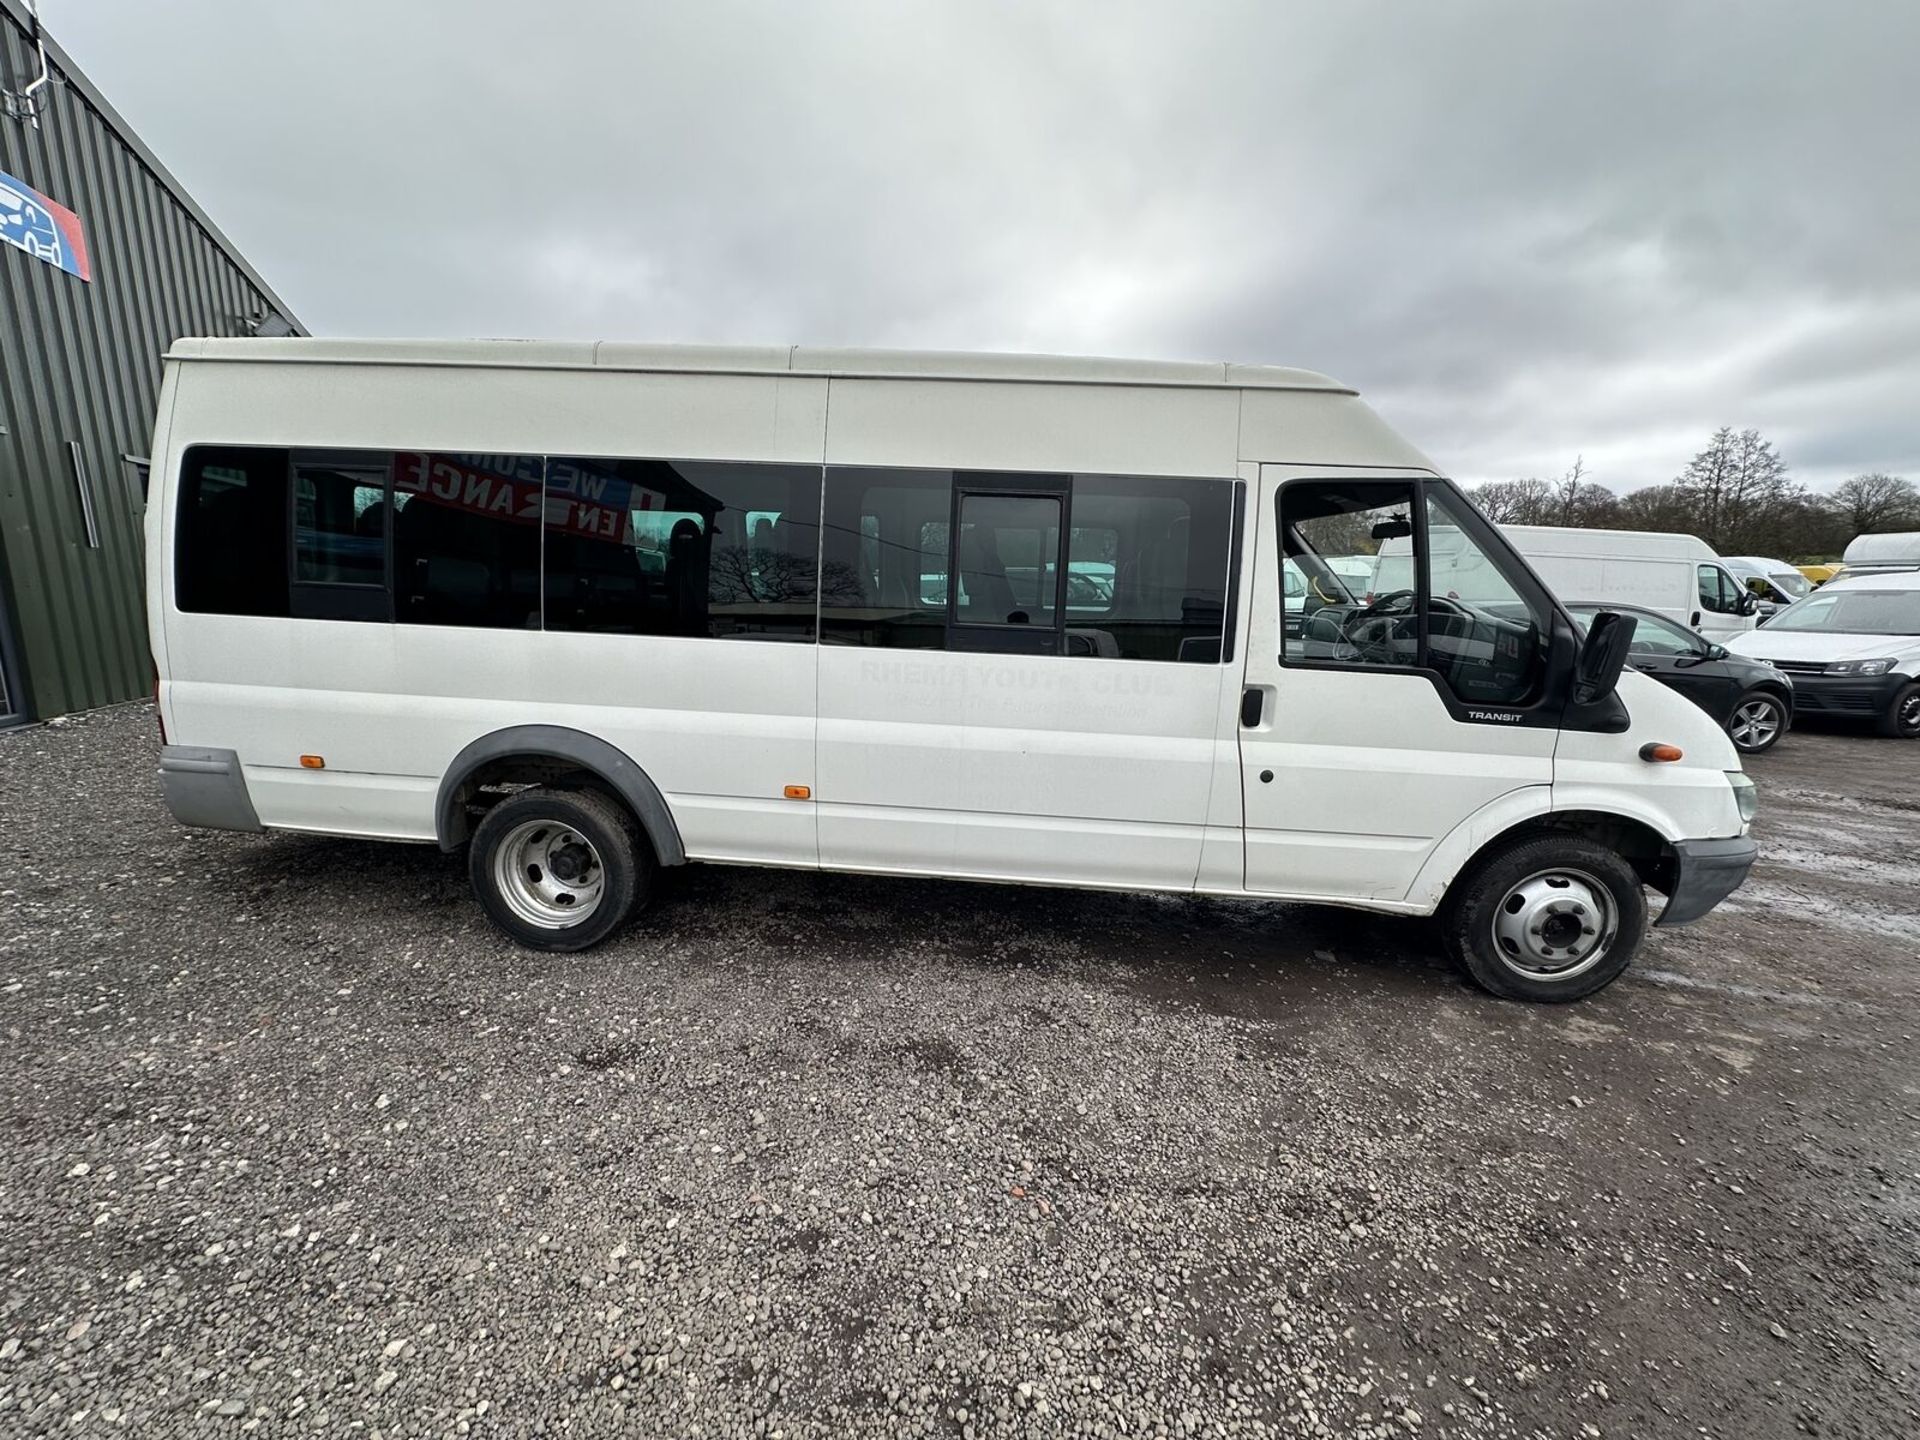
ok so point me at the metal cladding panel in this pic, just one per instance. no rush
(80, 365)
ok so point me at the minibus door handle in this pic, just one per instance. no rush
(1252, 702)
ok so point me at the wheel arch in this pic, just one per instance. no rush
(1528, 812)
(535, 753)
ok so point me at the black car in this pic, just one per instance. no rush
(1751, 699)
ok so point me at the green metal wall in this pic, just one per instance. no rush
(80, 362)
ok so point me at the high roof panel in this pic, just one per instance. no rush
(765, 359)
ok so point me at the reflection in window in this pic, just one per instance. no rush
(1487, 641)
(339, 518)
(655, 547)
(883, 571)
(466, 540)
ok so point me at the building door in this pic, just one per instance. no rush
(9, 706)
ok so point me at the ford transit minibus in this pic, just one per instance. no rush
(588, 610)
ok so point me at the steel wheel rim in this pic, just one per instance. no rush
(549, 874)
(1755, 724)
(1555, 925)
(1908, 716)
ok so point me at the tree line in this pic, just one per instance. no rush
(1736, 494)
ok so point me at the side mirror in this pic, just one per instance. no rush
(1718, 652)
(1603, 654)
(1749, 602)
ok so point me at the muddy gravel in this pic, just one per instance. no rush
(296, 1144)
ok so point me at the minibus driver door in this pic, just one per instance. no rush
(1402, 699)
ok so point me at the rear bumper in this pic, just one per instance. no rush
(1705, 872)
(206, 788)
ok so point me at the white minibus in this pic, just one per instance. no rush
(588, 610)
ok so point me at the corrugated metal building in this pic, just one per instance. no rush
(80, 363)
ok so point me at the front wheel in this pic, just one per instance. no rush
(1549, 917)
(1757, 722)
(1902, 718)
(558, 869)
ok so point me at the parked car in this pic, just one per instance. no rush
(1853, 650)
(1750, 699)
(1774, 583)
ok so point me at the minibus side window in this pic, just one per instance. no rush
(340, 514)
(1147, 568)
(231, 533)
(466, 540)
(681, 547)
(1004, 560)
(1147, 559)
(883, 568)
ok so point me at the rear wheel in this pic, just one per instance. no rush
(559, 869)
(1902, 718)
(1758, 721)
(1549, 917)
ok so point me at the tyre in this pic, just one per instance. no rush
(559, 870)
(1758, 721)
(1547, 917)
(1902, 717)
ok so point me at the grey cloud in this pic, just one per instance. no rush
(1527, 232)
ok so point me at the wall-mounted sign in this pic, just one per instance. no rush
(43, 228)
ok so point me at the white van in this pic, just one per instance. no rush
(1774, 583)
(587, 610)
(1891, 550)
(1677, 575)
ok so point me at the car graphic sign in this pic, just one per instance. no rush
(43, 228)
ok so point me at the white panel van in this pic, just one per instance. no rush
(1890, 550)
(1677, 575)
(590, 610)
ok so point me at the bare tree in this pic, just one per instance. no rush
(1732, 484)
(1515, 502)
(1656, 507)
(1877, 502)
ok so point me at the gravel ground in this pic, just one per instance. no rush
(296, 1144)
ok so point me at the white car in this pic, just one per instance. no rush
(1853, 650)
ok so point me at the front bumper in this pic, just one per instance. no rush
(1863, 697)
(1705, 872)
(207, 788)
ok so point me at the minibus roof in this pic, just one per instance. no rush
(758, 360)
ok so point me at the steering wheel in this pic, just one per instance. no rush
(1370, 629)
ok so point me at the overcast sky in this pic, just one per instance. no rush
(1525, 231)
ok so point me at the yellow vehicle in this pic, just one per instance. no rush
(1820, 574)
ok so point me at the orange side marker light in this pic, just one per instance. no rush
(1652, 751)
(312, 762)
(799, 792)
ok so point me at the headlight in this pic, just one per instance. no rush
(1860, 667)
(1745, 796)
